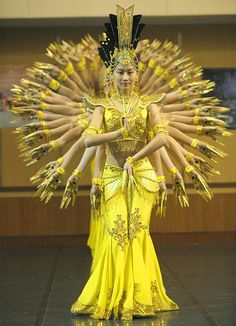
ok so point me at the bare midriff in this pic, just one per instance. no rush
(117, 152)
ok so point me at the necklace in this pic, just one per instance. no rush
(128, 103)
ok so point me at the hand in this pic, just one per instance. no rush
(162, 199)
(71, 192)
(128, 168)
(95, 196)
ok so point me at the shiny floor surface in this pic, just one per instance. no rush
(38, 285)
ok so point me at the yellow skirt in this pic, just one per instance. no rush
(125, 278)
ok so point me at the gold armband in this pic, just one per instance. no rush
(40, 115)
(166, 75)
(199, 130)
(161, 178)
(141, 66)
(54, 145)
(189, 156)
(124, 132)
(189, 169)
(77, 173)
(130, 160)
(194, 143)
(187, 105)
(97, 181)
(161, 127)
(173, 83)
(81, 64)
(62, 76)
(158, 71)
(60, 170)
(69, 69)
(173, 170)
(196, 120)
(43, 105)
(197, 112)
(60, 160)
(152, 63)
(54, 84)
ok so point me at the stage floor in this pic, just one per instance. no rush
(38, 285)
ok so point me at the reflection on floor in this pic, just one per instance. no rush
(38, 285)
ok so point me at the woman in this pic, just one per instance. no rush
(125, 129)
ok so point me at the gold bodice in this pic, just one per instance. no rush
(121, 148)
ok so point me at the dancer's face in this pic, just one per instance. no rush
(124, 77)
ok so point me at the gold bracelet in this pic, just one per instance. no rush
(91, 130)
(81, 64)
(161, 178)
(189, 169)
(54, 84)
(47, 133)
(141, 66)
(44, 125)
(43, 105)
(152, 63)
(173, 83)
(77, 173)
(173, 170)
(53, 144)
(161, 127)
(194, 143)
(158, 71)
(40, 115)
(60, 170)
(189, 156)
(196, 120)
(187, 105)
(42, 96)
(124, 132)
(97, 181)
(62, 76)
(60, 160)
(83, 123)
(185, 94)
(166, 75)
(48, 91)
(130, 160)
(69, 69)
(199, 130)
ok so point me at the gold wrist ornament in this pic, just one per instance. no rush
(188, 169)
(173, 83)
(43, 105)
(47, 134)
(161, 127)
(81, 64)
(199, 130)
(173, 170)
(187, 105)
(97, 181)
(40, 115)
(161, 178)
(69, 69)
(54, 144)
(91, 130)
(130, 160)
(194, 143)
(166, 75)
(77, 173)
(152, 63)
(44, 125)
(60, 160)
(159, 71)
(60, 170)
(42, 96)
(124, 132)
(54, 84)
(141, 66)
(197, 112)
(189, 156)
(196, 120)
(62, 76)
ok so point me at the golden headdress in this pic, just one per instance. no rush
(121, 38)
